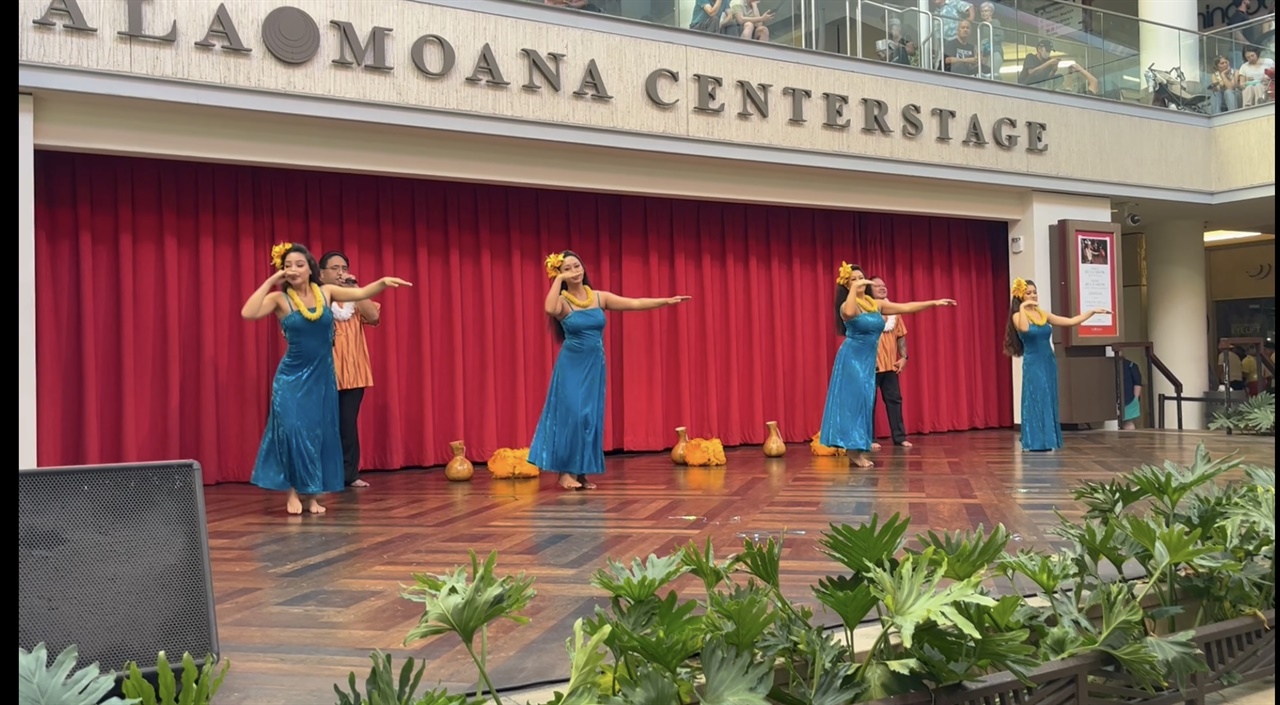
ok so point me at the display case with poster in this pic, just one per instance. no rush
(1086, 272)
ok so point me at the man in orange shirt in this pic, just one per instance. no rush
(891, 357)
(350, 360)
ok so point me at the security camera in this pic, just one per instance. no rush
(1133, 220)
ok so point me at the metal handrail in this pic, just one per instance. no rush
(991, 48)
(857, 14)
(926, 41)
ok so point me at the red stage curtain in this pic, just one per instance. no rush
(142, 266)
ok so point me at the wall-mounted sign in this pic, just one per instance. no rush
(293, 37)
(1096, 282)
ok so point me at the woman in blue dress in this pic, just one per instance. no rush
(851, 395)
(1028, 336)
(301, 451)
(569, 439)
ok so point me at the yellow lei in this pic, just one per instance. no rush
(579, 303)
(306, 313)
(1032, 316)
(867, 304)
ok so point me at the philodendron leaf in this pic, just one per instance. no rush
(642, 579)
(1177, 655)
(732, 677)
(648, 688)
(453, 603)
(872, 544)
(586, 656)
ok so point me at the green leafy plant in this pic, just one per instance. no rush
(927, 608)
(383, 687)
(455, 604)
(199, 685)
(1256, 416)
(62, 684)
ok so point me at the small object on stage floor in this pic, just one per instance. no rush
(774, 446)
(682, 442)
(459, 468)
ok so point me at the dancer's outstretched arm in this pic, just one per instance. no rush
(898, 309)
(1056, 320)
(346, 293)
(613, 302)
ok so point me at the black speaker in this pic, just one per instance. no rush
(115, 559)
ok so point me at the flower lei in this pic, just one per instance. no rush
(554, 262)
(308, 314)
(576, 302)
(278, 252)
(343, 312)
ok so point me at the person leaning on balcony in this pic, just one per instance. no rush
(1254, 81)
(1041, 67)
(709, 15)
(1224, 86)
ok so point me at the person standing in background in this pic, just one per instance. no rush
(1132, 395)
(350, 360)
(891, 358)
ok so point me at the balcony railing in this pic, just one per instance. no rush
(1045, 44)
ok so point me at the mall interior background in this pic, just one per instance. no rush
(1200, 187)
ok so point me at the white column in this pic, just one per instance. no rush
(1166, 47)
(26, 284)
(1040, 212)
(1178, 313)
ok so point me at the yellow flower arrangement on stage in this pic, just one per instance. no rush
(307, 313)
(846, 274)
(816, 447)
(704, 452)
(554, 262)
(511, 464)
(278, 252)
(1019, 289)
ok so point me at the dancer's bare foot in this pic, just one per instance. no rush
(359, 483)
(584, 484)
(315, 507)
(293, 505)
(907, 444)
(860, 460)
(875, 446)
(568, 483)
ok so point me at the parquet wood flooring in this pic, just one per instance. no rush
(302, 600)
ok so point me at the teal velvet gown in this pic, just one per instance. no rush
(848, 418)
(1041, 430)
(301, 446)
(570, 433)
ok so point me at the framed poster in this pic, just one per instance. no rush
(1087, 272)
(1096, 283)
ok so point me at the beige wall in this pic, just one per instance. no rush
(1242, 271)
(1243, 152)
(1084, 143)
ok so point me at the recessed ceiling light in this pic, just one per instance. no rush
(1217, 235)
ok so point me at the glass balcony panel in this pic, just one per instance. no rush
(1045, 44)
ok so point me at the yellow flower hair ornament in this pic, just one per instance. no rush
(554, 262)
(1019, 289)
(278, 252)
(846, 274)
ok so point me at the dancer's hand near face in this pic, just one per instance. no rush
(276, 278)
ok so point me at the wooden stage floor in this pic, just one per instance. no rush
(302, 600)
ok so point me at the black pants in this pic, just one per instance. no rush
(891, 393)
(348, 413)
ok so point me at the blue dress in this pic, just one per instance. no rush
(301, 446)
(849, 415)
(1040, 428)
(570, 434)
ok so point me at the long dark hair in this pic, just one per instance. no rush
(842, 295)
(557, 329)
(1012, 341)
(311, 264)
